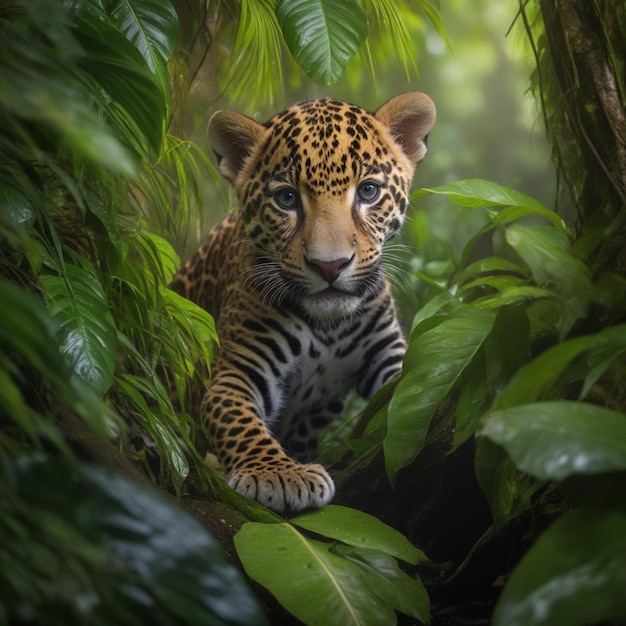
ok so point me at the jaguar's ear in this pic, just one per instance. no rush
(233, 137)
(409, 118)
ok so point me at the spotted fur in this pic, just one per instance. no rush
(294, 281)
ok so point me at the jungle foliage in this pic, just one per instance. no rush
(493, 466)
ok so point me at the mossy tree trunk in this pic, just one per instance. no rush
(581, 81)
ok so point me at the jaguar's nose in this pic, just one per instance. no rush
(329, 270)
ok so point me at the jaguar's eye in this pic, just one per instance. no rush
(368, 192)
(287, 198)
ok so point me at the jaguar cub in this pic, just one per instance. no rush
(294, 281)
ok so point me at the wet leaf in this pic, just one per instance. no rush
(359, 529)
(554, 440)
(574, 574)
(87, 336)
(434, 363)
(300, 572)
(322, 35)
(475, 192)
(101, 549)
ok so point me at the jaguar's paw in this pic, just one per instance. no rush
(285, 489)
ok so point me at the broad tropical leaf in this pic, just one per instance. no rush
(39, 86)
(113, 62)
(134, 553)
(435, 362)
(152, 27)
(554, 440)
(475, 192)
(87, 336)
(317, 584)
(537, 379)
(575, 574)
(506, 349)
(322, 35)
(359, 529)
(500, 481)
(392, 585)
(546, 252)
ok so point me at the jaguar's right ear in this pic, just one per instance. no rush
(233, 137)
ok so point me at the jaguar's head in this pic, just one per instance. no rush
(322, 186)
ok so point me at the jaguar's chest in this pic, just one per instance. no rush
(314, 388)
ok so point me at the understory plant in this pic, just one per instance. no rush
(506, 358)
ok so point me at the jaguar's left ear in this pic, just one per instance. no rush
(409, 118)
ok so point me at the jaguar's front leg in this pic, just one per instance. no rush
(255, 464)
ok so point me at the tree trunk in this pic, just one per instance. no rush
(580, 79)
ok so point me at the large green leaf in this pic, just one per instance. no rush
(28, 330)
(100, 549)
(253, 74)
(547, 253)
(87, 336)
(554, 440)
(537, 379)
(475, 192)
(575, 574)
(114, 63)
(500, 481)
(359, 529)
(322, 35)
(506, 349)
(152, 26)
(36, 87)
(318, 585)
(393, 586)
(27, 340)
(435, 361)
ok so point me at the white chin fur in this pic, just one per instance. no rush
(334, 307)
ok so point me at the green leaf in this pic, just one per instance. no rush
(114, 63)
(160, 257)
(152, 27)
(300, 572)
(359, 529)
(480, 193)
(253, 74)
(441, 301)
(574, 574)
(554, 440)
(28, 329)
(515, 295)
(152, 414)
(101, 549)
(193, 319)
(489, 265)
(386, 580)
(322, 35)
(41, 91)
(87, 336)
(434, 363)
(546, 252)
(506, 348)
(537, 379)
(498, 478)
